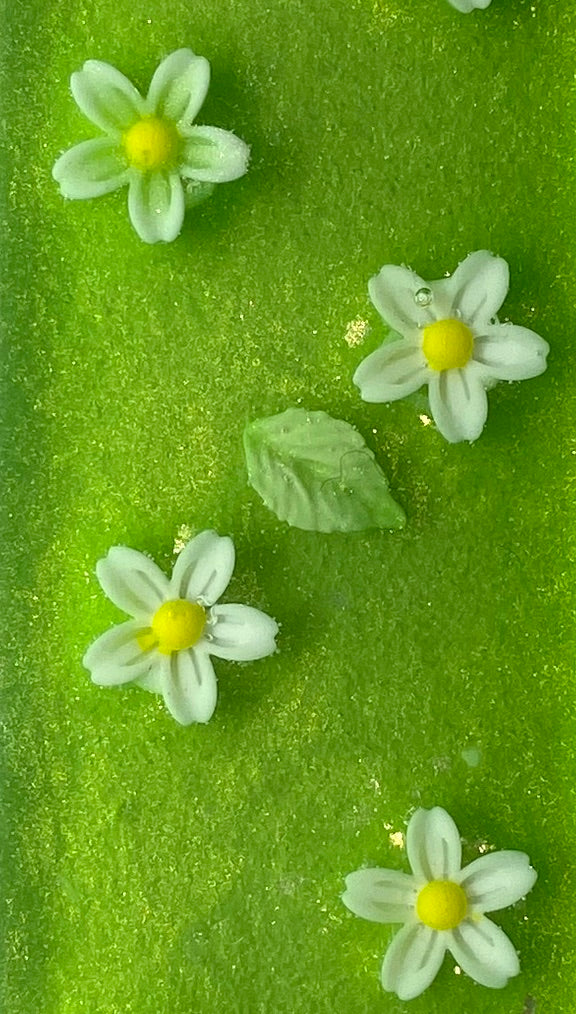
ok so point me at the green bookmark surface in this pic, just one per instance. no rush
(147, 867)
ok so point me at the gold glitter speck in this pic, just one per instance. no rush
(355, 332)
(397, 839)
(183, 536)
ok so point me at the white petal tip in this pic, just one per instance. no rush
(187, 722)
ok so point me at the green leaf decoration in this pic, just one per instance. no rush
(317, 473)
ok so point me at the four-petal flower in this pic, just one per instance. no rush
(150, 144)
(442, 907)
(176, 625)
(450, 340)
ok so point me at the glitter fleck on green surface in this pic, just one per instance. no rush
(149, 868)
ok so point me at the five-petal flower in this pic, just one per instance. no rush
(150, 144)
(176, 625)
(451, 340)
(442, 906)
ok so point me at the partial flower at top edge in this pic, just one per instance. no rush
(151, 145)
(467, 6)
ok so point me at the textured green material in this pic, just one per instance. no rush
(150, 868)
(316, 473)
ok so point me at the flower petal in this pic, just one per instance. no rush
(381, 895)
(484, 952)
(413, 960)
(179, 86)
(433, 845)
(156, 205)
(106, 97)
(241, 633)
(497, 879)
(478, 287)
(393, 293)
(116, 657)
(90, 169)
(203, 568)
(213, 155)
(393, 371)
(132, 581)
(189, 686)
(152, 680)
(458, 402)
(509, 352)
(466, 6)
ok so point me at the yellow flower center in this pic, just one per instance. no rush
(441, 905)
(176, 625)
(447, 344)
(151, 143)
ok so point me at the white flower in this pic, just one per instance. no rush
(149, 143)
(470, 5)
(176, 625)
(450, 340)
(442, 906)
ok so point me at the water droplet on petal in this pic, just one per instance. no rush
(423, 297)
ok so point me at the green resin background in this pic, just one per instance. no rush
(148, 867)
